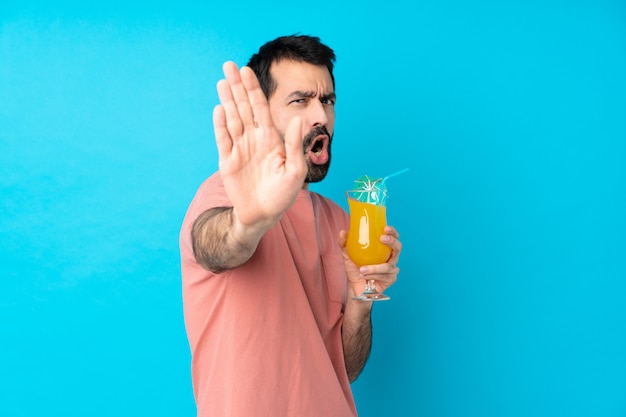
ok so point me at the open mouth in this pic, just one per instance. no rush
(318, 150)
(318, 146)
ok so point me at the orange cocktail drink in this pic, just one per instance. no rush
(367, 224)
(368, 218)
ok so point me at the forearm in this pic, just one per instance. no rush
(356, 333)
(220, 242)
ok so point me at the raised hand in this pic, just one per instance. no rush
(262, 171)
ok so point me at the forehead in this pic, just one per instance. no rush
(291, 76)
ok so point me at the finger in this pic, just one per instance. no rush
(392, 242)
(396, 248)
(232, 120)
(343, 237)
(390, 230)
(387, 281)
(390, 238)
(294, 156)
(383, 277)
(222, 137)
(239, 93)
(381, 272)
(256, 97)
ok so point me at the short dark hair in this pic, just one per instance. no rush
(301, 48)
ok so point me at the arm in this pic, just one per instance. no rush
(356, 331)
(261, 172)
(356, 335)
(220, 242)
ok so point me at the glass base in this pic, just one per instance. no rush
(371, 296)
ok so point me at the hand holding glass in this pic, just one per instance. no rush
(367, 225)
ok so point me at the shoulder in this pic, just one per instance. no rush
(209, 194)
(328, 207)
(325, 202)
(212, 182)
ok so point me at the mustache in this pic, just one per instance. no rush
(313, 133)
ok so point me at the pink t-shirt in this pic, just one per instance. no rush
(265, 337)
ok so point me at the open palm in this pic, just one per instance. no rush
(262, 174)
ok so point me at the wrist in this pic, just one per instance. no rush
(357, 308)
(249, 235)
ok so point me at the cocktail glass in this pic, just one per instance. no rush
(368, 218)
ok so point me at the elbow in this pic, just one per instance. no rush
(203, 253)
(206, 258)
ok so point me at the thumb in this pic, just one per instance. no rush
(343, 237)
(294, 154)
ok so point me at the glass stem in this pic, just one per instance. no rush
(370, 286)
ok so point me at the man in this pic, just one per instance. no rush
(267, 284)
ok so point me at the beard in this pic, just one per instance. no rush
(316, 173)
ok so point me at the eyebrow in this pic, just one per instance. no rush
(311, 94)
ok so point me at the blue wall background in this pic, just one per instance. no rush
(510, 115)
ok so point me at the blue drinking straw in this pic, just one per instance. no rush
(372, 188)
(402, 171)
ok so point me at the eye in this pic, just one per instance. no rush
(297, 101)
(328, 101)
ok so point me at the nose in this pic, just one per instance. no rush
(317, 114)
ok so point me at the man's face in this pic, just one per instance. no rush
(307, 91)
